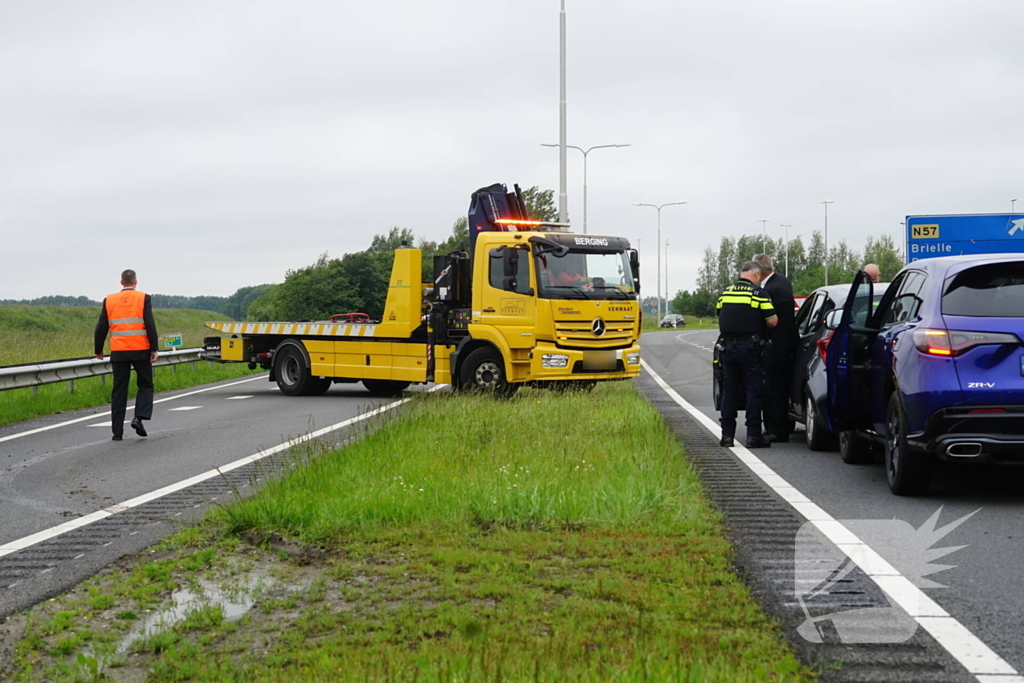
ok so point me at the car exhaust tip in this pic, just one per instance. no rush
(966, 449)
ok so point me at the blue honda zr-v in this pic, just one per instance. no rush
(936, 370)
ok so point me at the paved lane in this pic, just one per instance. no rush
(983, 590)
(72, 470)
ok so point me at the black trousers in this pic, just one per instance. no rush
(743, 374)
(778, 377)
(119, 397)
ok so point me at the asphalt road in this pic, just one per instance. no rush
(61, 468)
(982, 590)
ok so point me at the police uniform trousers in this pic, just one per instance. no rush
(743, 372)
(778, 377)
(122, 362)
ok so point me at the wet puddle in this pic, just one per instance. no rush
(234, 603)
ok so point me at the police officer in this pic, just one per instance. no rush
(745, 313)
(128, 316)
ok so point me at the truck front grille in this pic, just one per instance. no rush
(580, 334)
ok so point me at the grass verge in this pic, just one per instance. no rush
(553, 537)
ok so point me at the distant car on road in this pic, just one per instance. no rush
(809, 391)
(672, 320)
(936, 370)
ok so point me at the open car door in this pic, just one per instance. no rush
(848, 360)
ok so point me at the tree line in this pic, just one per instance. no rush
(355, 282)
(805, 266)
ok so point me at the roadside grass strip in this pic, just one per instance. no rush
(552, 537)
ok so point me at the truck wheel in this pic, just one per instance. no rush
(318, 386)
(909, 473)
(385, 387)
(293, 378)
(819, 438)
(484, 371)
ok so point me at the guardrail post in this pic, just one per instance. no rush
(71, 386)
(193, 364)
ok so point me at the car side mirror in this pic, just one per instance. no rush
(833, 317)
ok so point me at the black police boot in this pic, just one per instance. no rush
(726, 442)
(777, 438)
(758, 442)
(137, 426)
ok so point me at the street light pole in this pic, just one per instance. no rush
(563, 200)
(657, 247)
(826, 240)
(585, 153)
(787, 227)
(764, 237)
(666, 278)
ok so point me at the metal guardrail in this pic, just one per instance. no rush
(36, 374)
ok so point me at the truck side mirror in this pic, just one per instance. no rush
(634, 267)
(510, 258)
(509, 284)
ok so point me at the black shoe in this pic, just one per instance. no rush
(776, 438)
(117, 437)
(758, 442)
(137, 426)
(726, 442)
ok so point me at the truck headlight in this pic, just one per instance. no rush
(553, 360)
(633, 358)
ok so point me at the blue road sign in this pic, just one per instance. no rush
(980, 233)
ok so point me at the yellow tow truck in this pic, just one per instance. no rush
(529, 302)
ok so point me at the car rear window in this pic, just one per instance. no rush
(995, 290)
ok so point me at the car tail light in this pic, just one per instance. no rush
(823, 345)
(987, 410)
(955, 342)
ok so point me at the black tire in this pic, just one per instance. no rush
(385, 387)
(292, 373)
(318, 386)
(484, 371)
(855, 449)
(908, 472)
(582, 386)
(819, 438)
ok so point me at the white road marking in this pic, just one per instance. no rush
(238, 398)
(184, 408)
(977, 657)
(131, 407)
(78, 522)
(101, 424)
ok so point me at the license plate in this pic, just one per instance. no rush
(600, 360)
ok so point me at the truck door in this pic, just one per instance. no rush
(848, 361)
(507, 299)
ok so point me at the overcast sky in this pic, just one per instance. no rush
(212, 146)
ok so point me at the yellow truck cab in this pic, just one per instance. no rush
(527, 303)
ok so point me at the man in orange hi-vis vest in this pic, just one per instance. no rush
(128, 317)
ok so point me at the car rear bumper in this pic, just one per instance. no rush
(975, 434)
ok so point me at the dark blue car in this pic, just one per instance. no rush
(936, 370)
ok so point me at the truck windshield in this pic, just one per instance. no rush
(585, 275)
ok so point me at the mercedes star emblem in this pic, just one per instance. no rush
(598, 327)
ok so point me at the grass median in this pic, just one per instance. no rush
(552, 537)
